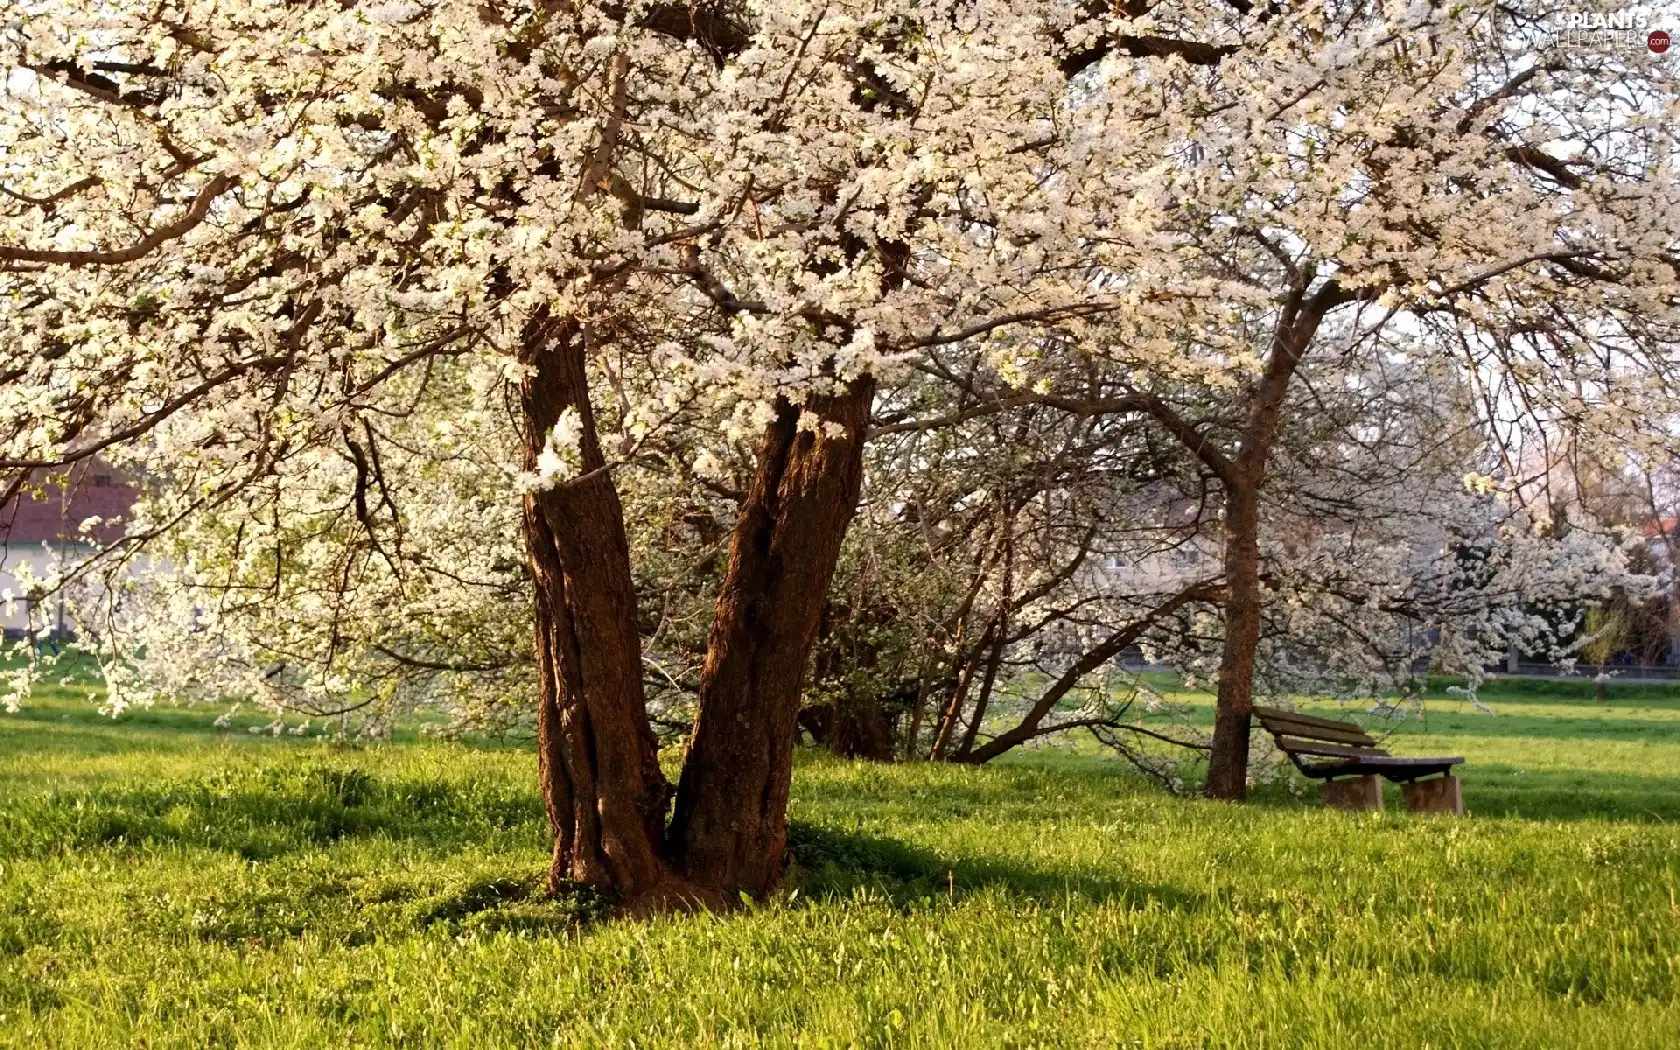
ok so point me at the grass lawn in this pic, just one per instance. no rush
(166, 884)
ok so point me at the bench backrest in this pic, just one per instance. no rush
(1298, 734)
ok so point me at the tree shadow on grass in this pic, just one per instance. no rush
(828, 861)
(284, 901)
(268, 904)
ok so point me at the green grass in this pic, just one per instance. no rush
(165, 884)
(1549, 750)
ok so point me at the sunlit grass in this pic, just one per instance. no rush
(168, 884)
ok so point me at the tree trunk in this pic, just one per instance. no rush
(852, 723)
(1000, 641)
(1244, 477)
(918, 707)
(1228, 763)
(605, 795)
(851, 726)
(597, 756)
(994, 660)
(730, 824)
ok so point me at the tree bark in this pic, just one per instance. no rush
(1244, 478)
(598, 759)
(730, 825)
(1228, 762)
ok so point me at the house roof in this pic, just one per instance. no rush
(1659, 526)
(54, 511)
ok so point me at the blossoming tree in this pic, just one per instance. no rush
(396, 304)
(361, 287)
(1328, 180)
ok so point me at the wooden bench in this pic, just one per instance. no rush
(1326, 749)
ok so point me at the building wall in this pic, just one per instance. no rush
(44, 525)
(14, 607)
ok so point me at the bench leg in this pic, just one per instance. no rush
(1353, 793)
(1435, 795)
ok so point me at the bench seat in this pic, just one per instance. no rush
(1327, 748)
(1393, 767)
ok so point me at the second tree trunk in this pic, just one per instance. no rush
(730, 824)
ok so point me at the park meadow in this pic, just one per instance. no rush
(839, 523)
(168, 883)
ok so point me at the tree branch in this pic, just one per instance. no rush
(195, 214)
(1095, 657)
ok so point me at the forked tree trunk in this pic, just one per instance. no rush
(730, 824)
(597, 756)
(605, 795)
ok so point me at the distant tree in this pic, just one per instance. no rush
(1044, 541)
(1355, 182)
(1051, 532)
